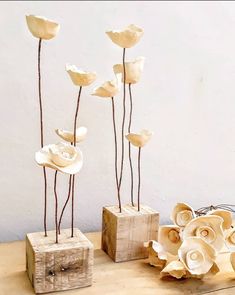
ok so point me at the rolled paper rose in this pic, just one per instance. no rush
(81, 133)
(108, 89)
(41, 27)
(169, 237)
(80, 77)
(127, 37)
(230, 239)
(62, 157)
(133, 70)
(141, 139)
(174, 269)
(182, 214)
(226, 215)
(197, 256)
(208, 228)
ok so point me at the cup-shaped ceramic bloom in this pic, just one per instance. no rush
(109, 88)
(133, 70)
(62, 157)
(127, 37)
(169, 238)
(226, 215)
(80, 77)
(208, 228)
(141, 139)
(182, 214)
(41, 27)
(230, 239)
(174, 269)
(197, 256)
(68, 136)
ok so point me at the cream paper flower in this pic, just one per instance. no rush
(62, 157)
(108, 89)
(169, 237)
(197, 256)
(80, 77)
(133, 70)
(81, 133)
(230, 239)
(174, 269)
(127, 37)
(182, 214)
(141, 139)
(208, 228)
(42, 28)
(226, 215)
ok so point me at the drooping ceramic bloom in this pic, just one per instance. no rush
(141, 139)
(182, 214)
(62, 157)
(208, 228)
(230, 239)
(133, 70)
(127, 37)
(226, 215)
(108, 89)
(42, 28)
(169, 238)
(197, 256)
(174, 269)
(81, 133)
(80, 77)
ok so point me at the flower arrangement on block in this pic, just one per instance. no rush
(189, 247)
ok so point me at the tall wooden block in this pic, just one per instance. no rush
(56, 267)
(124, 234)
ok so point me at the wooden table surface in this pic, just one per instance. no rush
(134, 277)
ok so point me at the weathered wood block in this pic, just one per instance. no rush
(124, 234)
(56, 267)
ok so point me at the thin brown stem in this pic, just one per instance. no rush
(139, 154)
(41, 133)
(72, 219)
(56, 207)
(65, 204)
(129, 147)
(116, 147)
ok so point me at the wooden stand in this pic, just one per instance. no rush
(124, 234)
(56, 267)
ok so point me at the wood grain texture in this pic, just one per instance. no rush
(56, 267)
(124, 234)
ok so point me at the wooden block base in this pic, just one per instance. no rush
(124, 234)
(56, 267)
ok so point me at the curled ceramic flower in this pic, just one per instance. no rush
(80, 77)
(133, 70)
(230, 239)
(226, 215)
(140, 139)
(108, 88)
(81, 133)
(127, 37)
(169, 237)
(197, 256)
(208, 228)
(174, 269)
(42, 28)
(182, 214)
(62, 157)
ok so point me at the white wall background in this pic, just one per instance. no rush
(186, 96)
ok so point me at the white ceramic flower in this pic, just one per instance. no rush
(41, 27)
(80, 77)
(133, 70)
(226, 215)
(62, 157)
(174, 269)
(197, 256)
(81, 133)
(230, 239)
(182, 214)
(127, 37)
(208, 228)
(141, 139)
(169, 237)
(108, 89)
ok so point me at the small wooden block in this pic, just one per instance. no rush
(124, 234)
(56, 267)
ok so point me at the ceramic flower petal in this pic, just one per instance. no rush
(62, 157)
(197, 256)
(42, 28)
(133, 70)
(81, 133)
(208, 228)
(169, 237)
(226, 215)
(80, 77)
(230, 239)
(141, 139)
(174, 269)
(127, 37)
(108, 89)
(182, 214)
